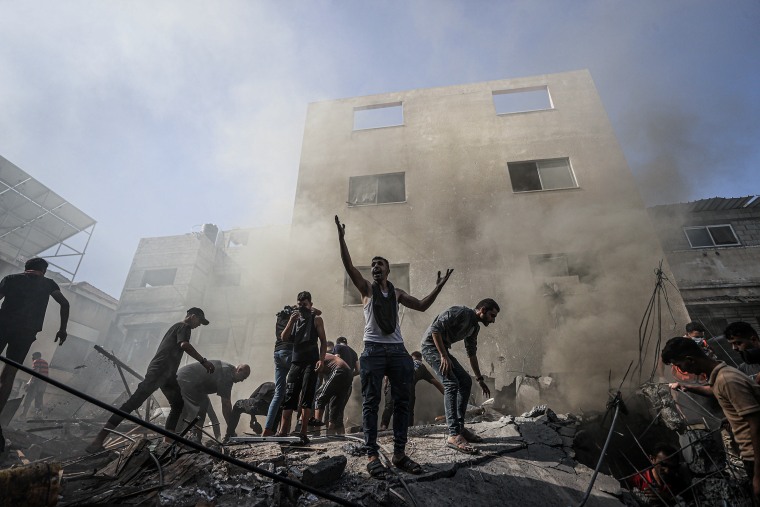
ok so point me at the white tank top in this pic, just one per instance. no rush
(372, 331)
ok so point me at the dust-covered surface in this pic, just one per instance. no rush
(522, 461)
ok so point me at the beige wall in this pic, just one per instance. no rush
(461, 213)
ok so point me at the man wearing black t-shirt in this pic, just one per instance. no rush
(307, 332)
(162, 374)
(25, 298)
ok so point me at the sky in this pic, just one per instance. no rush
(157, 117)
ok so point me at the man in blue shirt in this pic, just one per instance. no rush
(455, 324)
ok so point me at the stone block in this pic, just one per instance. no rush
(325, 472)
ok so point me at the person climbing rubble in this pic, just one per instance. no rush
(455, 324)
(162, 374)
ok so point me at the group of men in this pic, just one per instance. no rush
(300, 357)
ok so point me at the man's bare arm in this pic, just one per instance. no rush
(476, 370)
(353, 273)
(227, 413)
(320, 325)
(61, 335)
(423, 304)
(187, 347)
(700, 390)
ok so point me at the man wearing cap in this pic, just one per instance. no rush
(162, 374)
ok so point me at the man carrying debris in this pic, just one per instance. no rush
(737, 394)
(337, 375)
(35, 387)
(196, 384)
(420, 373)
(456, 324)
(25, 299)
(385, 354)
(306, 330)
(162, 374)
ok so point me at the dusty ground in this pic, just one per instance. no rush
(522, 462)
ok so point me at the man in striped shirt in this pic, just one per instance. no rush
(36, 387)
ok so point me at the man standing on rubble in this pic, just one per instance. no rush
(455, 324)
(385, 354)
(737, 394)
(25, 299)
(306, 330)
(196, 384)
(162, 374)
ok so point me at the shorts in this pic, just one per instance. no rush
(301, 383)
(18, 341)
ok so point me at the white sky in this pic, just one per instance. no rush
(156, 117)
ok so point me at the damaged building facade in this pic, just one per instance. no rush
(712, 246)
(518, 185)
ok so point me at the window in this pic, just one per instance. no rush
(552, 174)
(578, 265)
(399, 277)
(158, 277)
(522, 100)
(378, 116)
(376, 189)
(711, 235)
(237, 239)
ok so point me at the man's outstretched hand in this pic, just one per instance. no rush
(60, 337)
(441, 280)
(342, 228)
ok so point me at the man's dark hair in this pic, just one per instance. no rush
(36, 264)
(417, 355)
(36, 355)
(304, 295)
(341, 339)
(666, 449)
(378, 258)
(740, 329)
(489, 304)
(679, 348)
(695, 326)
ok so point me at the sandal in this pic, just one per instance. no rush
(378, 470)
(470, 436)
(408, 465)
(462, 447)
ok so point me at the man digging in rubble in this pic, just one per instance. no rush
(257, 404)
(162, 374)
(458, 323)
(384, 354)
(306, 330)
(196, 384)
(25, 299)
(737, 394)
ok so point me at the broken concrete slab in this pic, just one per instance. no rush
(325, 471)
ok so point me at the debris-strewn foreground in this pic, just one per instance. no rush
(523, 461)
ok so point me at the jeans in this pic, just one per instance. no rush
(281, 368)
(456, 388)
(379, 360)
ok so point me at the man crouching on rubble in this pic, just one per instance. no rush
(737, 394)
(456, 324)
(162, 374)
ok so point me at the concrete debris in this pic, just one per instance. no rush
(325, 471)
(661, 400)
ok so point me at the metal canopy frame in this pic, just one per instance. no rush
(34, 220)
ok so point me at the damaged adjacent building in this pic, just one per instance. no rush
(712, 246)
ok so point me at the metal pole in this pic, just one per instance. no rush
(177, 438)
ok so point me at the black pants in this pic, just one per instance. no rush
(168, 385)
(301, 382)
(19, 341)
(334, 395)
(385, 419)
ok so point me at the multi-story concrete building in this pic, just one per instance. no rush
(713, 247)
(519, 185)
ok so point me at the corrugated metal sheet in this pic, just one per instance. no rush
(724, 203)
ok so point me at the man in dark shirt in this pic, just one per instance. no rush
(257, 404)
(337, 376)
(456, 324)
(25, 299)
(307, 332)
(162, 374)
(420, 373)
(196, 384)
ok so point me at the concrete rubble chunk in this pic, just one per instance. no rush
(325, 471)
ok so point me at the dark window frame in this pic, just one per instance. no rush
(519, 187)
(706, 228)
(353, 181)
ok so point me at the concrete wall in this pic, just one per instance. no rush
(461, 212)
(719, 284)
